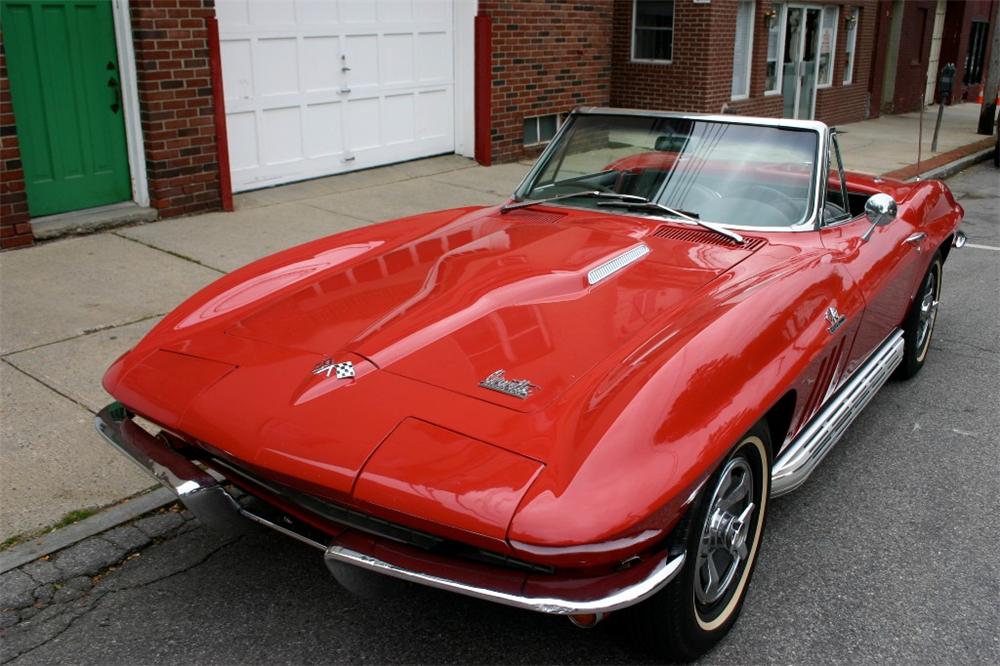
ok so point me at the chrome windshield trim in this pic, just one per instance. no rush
(815, 125)
(812, 220)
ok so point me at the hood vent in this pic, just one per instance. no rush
(704, 236)
(534, 216)
(614, 265)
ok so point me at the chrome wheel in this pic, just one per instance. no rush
(928, 310)
(722, 549)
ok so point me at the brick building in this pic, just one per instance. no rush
(172, 105)
(918, 38)
(81, 126)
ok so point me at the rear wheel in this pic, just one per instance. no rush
(722, 537)
(918, 328)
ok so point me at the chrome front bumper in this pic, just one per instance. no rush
(207, 499)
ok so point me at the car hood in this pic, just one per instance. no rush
(487, 294)
(425, 309)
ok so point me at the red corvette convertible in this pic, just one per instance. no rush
(578, 402)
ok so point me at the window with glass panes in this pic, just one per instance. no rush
(652, 30)
(540, 129)
(827, 45)
(742, 45)
(852, 38)
(775, 21)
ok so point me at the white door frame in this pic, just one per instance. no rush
(464, 50)
(802, 44)
(130, 102)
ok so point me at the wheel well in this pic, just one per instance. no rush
(946, 247)
(779, 420)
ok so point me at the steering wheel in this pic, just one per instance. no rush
(769, 195)
(704, 190)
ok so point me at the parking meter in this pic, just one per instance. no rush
(945, 81)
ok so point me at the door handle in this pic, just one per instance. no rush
(116, 94)
(916, 239)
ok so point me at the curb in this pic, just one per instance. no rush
(65, 537)
(944, 164)
(954, 167)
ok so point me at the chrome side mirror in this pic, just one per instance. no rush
(880, 209)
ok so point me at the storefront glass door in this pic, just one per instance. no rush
(800, 62)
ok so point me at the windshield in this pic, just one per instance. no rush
(727, 173)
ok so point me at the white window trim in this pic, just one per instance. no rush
(632, 40)
(780, 69)
(753, 20)
(560, 119)
(833, 44)
(853, 37)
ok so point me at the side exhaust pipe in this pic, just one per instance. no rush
(587, 620)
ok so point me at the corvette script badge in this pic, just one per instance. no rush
(519, 388)
(327, 367)
(835, 319)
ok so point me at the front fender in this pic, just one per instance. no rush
(654, 424)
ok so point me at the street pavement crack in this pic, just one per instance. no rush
(303, 200)
(83, 333)
(97, 597)
(336, 212)
(170, 252)
(47, 385)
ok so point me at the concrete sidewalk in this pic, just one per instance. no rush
(68, 308)
(887, 145)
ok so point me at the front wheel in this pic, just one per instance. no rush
(919, 324)
(722, 536)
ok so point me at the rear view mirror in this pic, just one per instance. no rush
(670, 142)
(880, 209)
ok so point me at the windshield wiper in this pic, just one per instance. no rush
(621, 198)
(653, 206)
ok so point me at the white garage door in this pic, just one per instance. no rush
(318, 87)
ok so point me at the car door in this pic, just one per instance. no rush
(886, 266)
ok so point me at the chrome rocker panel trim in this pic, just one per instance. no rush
(206, 498)
(801, 457)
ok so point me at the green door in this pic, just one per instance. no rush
(63, 69)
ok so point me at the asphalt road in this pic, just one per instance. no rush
(888, 554)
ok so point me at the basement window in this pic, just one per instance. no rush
(652, 30)
(541, 129)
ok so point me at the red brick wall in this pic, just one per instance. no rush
(547, 58)
(175, 100)
(699, 79)
(955, 42)
(691, 80)
(15, 230)
(850, 102)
